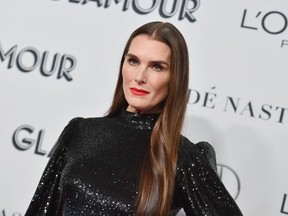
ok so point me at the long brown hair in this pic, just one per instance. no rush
(156, 185)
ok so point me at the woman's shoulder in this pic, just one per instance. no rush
(188, 146)
(89, 121)
(189, 151)
(80, 125)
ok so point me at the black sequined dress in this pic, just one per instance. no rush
(95, 165)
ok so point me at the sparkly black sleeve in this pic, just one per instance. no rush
(208, 153)
(46, 197)
(199, 187)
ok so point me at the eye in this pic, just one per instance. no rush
(157, 67)
(133, 62)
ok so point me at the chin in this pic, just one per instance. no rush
(135, 109)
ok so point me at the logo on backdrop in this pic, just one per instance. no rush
(238, 106)
(30, 59)
(167, 8)
(4, 212)
(227, 174)
(284, 206)
(270, 22)
(26, 137)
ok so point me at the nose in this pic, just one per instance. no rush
(141, 75)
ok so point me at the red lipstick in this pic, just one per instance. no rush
(139, 92)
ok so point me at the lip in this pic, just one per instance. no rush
(139, 92)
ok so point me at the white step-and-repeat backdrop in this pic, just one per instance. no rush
(59, 59)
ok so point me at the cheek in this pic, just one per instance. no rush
(161, 86)
(126, 74)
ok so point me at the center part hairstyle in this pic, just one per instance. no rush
(158, 172)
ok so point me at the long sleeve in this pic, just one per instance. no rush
(199, 188)
(46, 197)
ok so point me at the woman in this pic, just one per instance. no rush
(134, 161)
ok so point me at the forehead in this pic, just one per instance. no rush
(144, 46)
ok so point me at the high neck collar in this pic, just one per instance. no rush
(138, 121)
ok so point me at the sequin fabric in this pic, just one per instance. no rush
(95, 166)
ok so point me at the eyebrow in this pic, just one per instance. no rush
(154, 62)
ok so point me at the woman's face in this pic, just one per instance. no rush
(146, 74)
